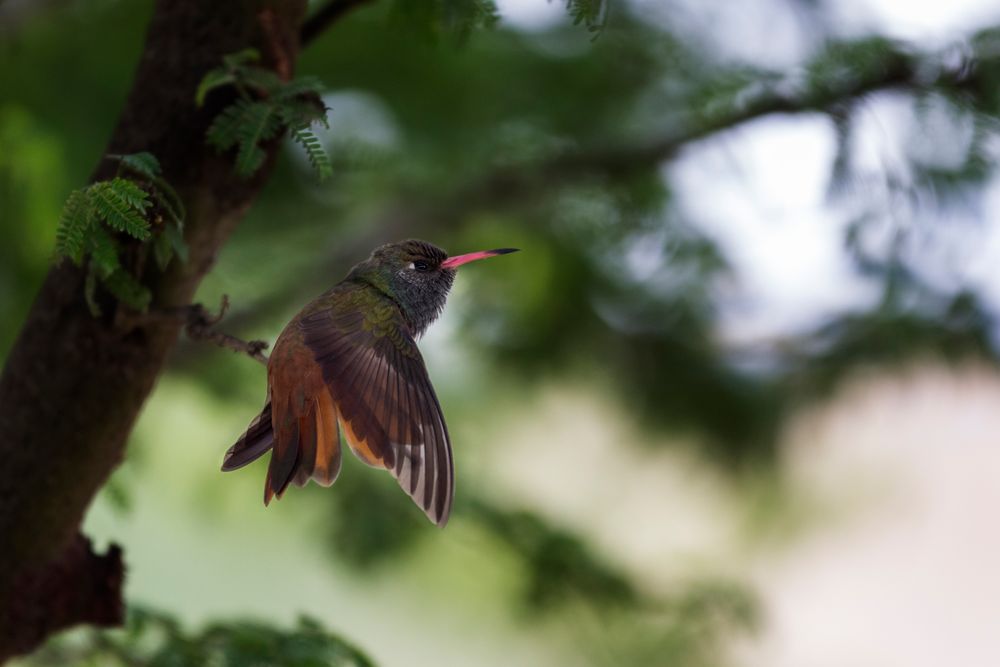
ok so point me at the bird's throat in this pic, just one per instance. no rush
(421, 304)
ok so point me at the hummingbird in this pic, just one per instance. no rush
(350, 357)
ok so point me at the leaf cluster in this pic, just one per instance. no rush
(136, 204)
(156, 639)
(591, 13)
(265, 107)
(455, 18)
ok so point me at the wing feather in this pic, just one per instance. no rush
(384, 400)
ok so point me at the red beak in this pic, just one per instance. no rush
(459, 260)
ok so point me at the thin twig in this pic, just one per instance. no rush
(327, 15)
(200, 325)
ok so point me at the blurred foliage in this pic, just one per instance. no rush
(685, 630)
(559, 566)
(370, 529)
(155, 639)
(616, 621)
(452, 18)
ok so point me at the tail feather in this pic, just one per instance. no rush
(308, 446)
(284, 455)
(307, 450)
(258, 439)
(313, 452)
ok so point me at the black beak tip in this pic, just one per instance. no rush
(504, 251)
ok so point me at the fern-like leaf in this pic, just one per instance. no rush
(264, 80)
(591, 13)
(247, 123)
(130, 192)
(74, 223)
(122, 205)
(303, 85)
(128, 290)
(103, 252)
(224, 132)
(249, 158)
(261, 123)
(144, 164)
(298, 112)
(317, 155)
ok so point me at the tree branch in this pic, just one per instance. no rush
(200, 327)
(898, 71)
(329, 14)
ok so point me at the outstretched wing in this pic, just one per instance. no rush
(386, 405)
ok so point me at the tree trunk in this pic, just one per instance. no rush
(73, 384)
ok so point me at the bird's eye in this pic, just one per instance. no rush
(421, 265)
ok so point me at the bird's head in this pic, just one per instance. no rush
(417, 275)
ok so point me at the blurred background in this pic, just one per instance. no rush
(735, 404)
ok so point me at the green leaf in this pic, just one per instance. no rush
(591, 13)
(73, 226)
(122, 205)
(240, 58)
(314, 151)
(249, 159)
(90, 291)
(303, 85)
(163, 251)
(131, 193)
(103, 252)
(245, 124)
(216, 78)
(297, 112)
(128, 290)
(264, 80)
(260, 123)
(144, 164)
(224, 132)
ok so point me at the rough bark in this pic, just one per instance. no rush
(73, 384)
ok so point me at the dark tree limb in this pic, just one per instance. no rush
(328, 14)
(80, 586)
(73, 384)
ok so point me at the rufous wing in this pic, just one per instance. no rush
(385, 403)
